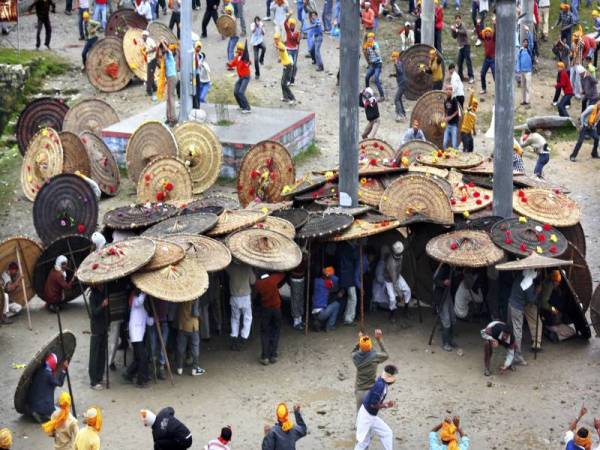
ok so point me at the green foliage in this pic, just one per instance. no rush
(221, 91)
(311, 151)
(10, 162)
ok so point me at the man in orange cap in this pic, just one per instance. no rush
(487, 36)
(326, 296)
(582, 439)
(284, 434)
(566, 22)
(366, 360)
(446, 439)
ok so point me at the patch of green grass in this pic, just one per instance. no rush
(10, 162)
(311, 151)
(221, 91)
(224, 123)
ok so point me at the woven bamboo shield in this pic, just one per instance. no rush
(106, 67)
(45, 112)
(546, 206)
(232, 221)
(595, 310)
(165, 254)
(43, 160)
(411, 149)
(181, 282)
(576, 236)
(75, 157)
(428, 170)
(579, 275)
(416, 61)
(469, 198)
(376, 157)
(148, 141)
(278, 225)
(199, 155)
(362, 228)
(76, 248)
(223, 201)
(370, 191)
(450, 159)
(164, 178)
(122, 19)
(136, 217)
(134, 50)
(212, 254)
(415, 198)
(464, 248)
(29, 251)
(523, 237)
(90, 114)
(296, 216)
(65, 205)
(198, 223)
(323, 225)
(103, 167)
(524, 181)
(264, 171)
(269, 208)
(265, 249)
(429, 111)
(116, 260)
(226, 25)
(160, 32)
(56, 346)
(308, 182)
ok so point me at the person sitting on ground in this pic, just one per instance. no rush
(11, 281)
(553, 309)
(62, 426)
(538, 144)
(407, 37)
(366, 360)
(395, 285)
(494, 334)
(582, 439)
(168, 433)
(222, 442)
(446, 439)
(40, 398)
(470, 292)
(87, 437)
(326, 295)
(56, 283)
(6, 439)
(284, 434)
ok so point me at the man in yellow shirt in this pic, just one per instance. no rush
(288, 70)
(87, 438)
(435, 69)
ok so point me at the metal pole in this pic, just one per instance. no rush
(504, 107)
(307, 300)
(186, 50)
(62, 349)
(25, 297)
(427, 22)
(526, 20)
(348, 147)
(75, 269)
(362, 288)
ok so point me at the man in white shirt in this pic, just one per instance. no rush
(458, 89)
(11, 280)
(150, 49)
(145, 10)
(544, 10)
(138, 320)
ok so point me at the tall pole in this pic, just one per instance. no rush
(349, 89)
(504, 107)
(526, 19)
(185, 66)
(427, 22)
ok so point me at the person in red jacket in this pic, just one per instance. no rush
(241, 62)
(487, 36)
(563, 83)
(439, 25)
(57, 283)
(367, 17)
(267, 287)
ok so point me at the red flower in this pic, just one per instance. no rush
(362, 147)
(147, 177)
(453, 245)
(486, 197)
(269, 163)
(81, 228)
(169, 186)
(472, 184)
(112, 251)
(523, 199)
(290, 169)
(111, 189)
(547, 227)
(160, 196)
(520, 193)
(508, 232)
(557, 191)
(523, 247)
(373, 162)
(553, 249)
(508, 240)
(542, 237)
(314, 194)
(453, 201)
(478, 201)
(440, 153)
(476, 194)
(463, 198)
(329, 284)
(254, 174)
(94, 266)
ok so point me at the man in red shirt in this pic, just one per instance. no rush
(292, 44)
(241, 62)
(488, 39)
(267, 287)
(439, 25)
(563, 83)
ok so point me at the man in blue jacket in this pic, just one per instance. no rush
(325, 306)
(523, 69)
(40, 397)
(284, 434)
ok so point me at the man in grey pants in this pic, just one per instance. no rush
(366, 360)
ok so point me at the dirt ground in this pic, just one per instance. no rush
(527, 409)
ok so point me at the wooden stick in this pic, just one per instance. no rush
(162, 343)
(62, 347)
(307, 303)
(107, 326)
(78, 282)
(18, 249)
(362, 289)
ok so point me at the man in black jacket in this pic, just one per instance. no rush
(42, 11)
(168, 433)
(284, 434)
(211, 12)
(99, 322)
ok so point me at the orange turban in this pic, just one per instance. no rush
(555, 276)
(448, 435)
(329, 271)
(365, 344)
(585, 442)
(93, 418)
(487, 30)
(283, 417)
(64, 403)
(564, 6)
(6, 439)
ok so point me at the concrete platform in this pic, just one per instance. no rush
(293, 128)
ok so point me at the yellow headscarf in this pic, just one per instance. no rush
(5, 438)
(283, 417)
(64, 403)
(365, 344)
(93, 418)
(162, 79)
(448, 435)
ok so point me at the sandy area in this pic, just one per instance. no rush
(526, 409)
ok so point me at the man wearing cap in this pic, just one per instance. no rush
(168, 433)
(267, 287)
(538, 144)
(488, 39)
(582, 438)
(468, 126)
(87, 438)
(40, 397)
(11, 281)
(150, 49)
(589, 128)
(284, 434)
(395, 285)
(407, 37)
(400, 76)
(292, 45)
(90, 33)
(435, 69)
(222, 442)
(241, 279)
(171, 73)
(443, 436)
(373, 55)
(366, 360)
(326, 296)
(57, 283)
(566, 21)
(288, 69)
(242, 65)
(99, 323)
(563, 83)
(367, 421)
